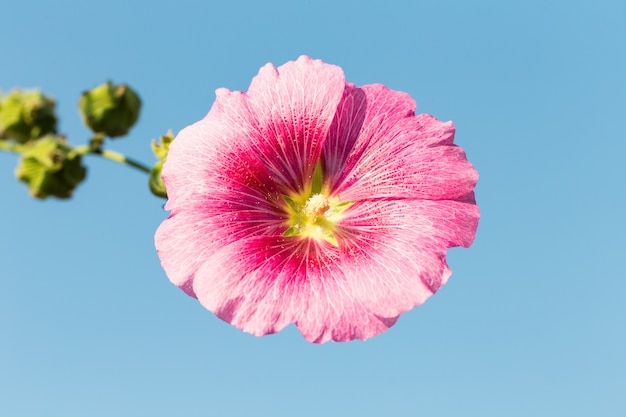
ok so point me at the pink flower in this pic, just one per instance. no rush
(308, 200)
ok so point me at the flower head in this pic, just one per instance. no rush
(308, 200)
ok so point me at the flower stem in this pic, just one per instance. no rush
(113, 156)
(10, 147)
(122, 159)
(84, 150)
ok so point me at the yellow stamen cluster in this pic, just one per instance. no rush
(314, 217)
(312, 213)
(316, 206)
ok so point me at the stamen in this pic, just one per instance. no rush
(316, 206)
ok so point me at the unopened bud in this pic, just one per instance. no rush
(50, 168)
(111, 109)
(157, 186)
(26, 115)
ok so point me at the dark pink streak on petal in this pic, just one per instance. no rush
(391, 257)
(417, 160)
(294, 106)
(282, 281)
(343, 135)
(397, 249)
(364, 117)
(220, 190)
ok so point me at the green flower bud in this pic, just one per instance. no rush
(111, 109)
(50, 168)
(26, 115)
(157, 186)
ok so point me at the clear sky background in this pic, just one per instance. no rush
(532, 322)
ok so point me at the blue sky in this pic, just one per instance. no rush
(531, 322)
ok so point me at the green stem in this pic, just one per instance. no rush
(113, 156)
(84, 150)
(10, 147)
(122, 159)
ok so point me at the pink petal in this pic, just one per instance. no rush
(219, 191)
(396, 154)
(391, 258)
(294, 106)
(280, 281)
(280, 124)
(241, 158)
(399, 249)
(194, 166)
(363, 118)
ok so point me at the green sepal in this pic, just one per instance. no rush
(295, 207)
(157, 186)
(341, 207)
(330, 238)
(160, 149)
(292, 231)
(318, 179)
